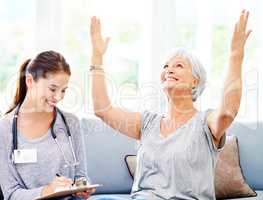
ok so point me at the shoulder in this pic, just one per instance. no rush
(6, 127)
(204, 114)
(72, 121)
(214, 144)
(7, 117)
(148, 116)
(148, 119)
(70, 116)
(200, 119)
(6, 121)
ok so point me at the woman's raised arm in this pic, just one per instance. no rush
(221, 118)
(127, 123)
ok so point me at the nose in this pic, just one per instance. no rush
(169, 70)
(58, 96)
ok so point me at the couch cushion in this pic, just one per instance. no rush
(131, 163)
(229, 180)
(106, 149)
(250, 142)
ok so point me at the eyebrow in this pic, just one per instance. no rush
(185, 64)
(54, 85)
(180, 62)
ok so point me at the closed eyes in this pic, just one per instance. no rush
(177, 65)
(54, 90)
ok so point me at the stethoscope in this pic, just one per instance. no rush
(56, 110)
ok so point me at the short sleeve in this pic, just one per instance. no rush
(149, 121)
(209, 135)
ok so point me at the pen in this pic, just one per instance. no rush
(73, 180)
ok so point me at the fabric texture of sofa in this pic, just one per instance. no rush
(107, 148)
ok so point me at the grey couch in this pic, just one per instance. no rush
(106, 150)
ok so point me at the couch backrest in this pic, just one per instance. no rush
(250, 140)
(106, 150)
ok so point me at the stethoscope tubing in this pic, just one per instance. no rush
(14, 133)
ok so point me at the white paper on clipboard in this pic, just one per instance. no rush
(68, 192)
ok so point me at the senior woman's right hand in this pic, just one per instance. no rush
(99, 45)
(57, 182)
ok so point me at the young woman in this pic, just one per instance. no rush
(177, 155)
(41, 146)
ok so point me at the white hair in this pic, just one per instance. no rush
(198, 70)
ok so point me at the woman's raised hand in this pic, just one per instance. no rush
(99, 44)
(240, 34)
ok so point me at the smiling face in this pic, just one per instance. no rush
(177, 77)
(47, 92)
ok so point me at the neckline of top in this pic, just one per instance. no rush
(177, 130)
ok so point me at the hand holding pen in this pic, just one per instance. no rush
(57, 182)
(81, 181)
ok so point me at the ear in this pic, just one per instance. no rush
(195, 81)
(162, 76)
(29, 81)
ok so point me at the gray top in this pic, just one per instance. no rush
(180, 166)
(25, 181)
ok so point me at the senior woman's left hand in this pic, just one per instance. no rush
(99, 44)
(240, 34)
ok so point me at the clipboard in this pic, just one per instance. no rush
(68, 192)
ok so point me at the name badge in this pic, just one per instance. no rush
(25, 156)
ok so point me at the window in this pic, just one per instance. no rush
(124, 22)
(141, 32)
(206, 28)
(32, 26)
(17, 28)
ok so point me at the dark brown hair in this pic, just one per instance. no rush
(47, 62)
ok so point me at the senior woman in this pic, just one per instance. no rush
(177, 155)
